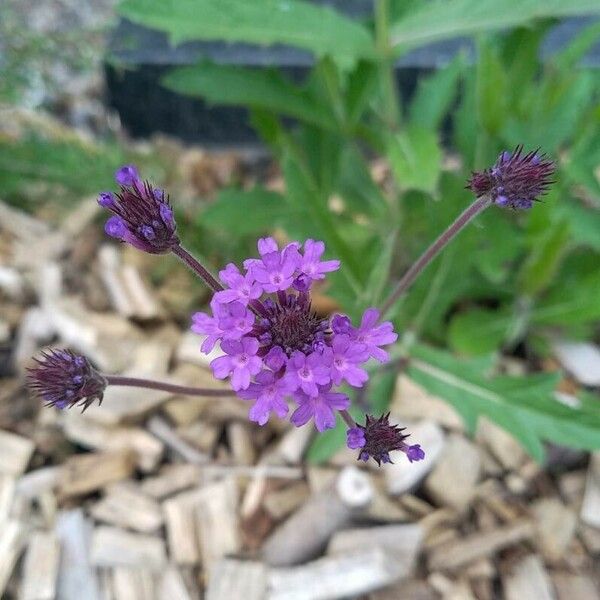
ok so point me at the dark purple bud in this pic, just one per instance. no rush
(517, 180)
(64, 379)
(127, 175)
(381, 438)
(142, 215)
(355, 438)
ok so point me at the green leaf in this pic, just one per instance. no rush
(524, 406)
(318, 29)
(447, 19)
(478, 331)
(256, 88)
(435, 95)
(491, 86)
(237, 212)
(416, 158)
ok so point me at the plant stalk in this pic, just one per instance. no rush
(150, 384)
(417, 268)
(193, 264)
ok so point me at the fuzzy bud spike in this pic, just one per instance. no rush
(142, 215)
(64, 379)
(516, 180)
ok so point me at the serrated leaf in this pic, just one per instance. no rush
(416, 158)
(238, 212)
(447, 19)
(318, 29)
(255, 88)
(524, 406)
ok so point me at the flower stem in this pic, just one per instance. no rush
(167, 387)
(409, 277)
(197, 268)
(348, 418)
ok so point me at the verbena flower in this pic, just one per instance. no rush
(277, 348)
(516, 180)
(142, 214)
(64, 379)
(381, 438)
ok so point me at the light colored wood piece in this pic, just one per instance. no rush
(293, 444)
(590, 509)
(217, 521)
(91, 434)
(280, 503)
(133, 584)
(77, 579)
(556, 525)
(573, 586)
(145, 304)
(308, 530)
(402, 542)
(456, 554)
(173, 587)
(124, 505)
(39, 481)
(402, 476)
(164, 432)
(333, 577)
(7, 496)
(240, 442)
(528, 580)
(40, 571)
(237, 580)
(12, 540)
(171, 479)
(180, 521)
(114, 547)
(15, 451)
(85, 473)
(502, 446)
(453, 479)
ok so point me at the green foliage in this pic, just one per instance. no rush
(508, 279)
(293, 22)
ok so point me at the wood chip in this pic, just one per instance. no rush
(38, 481)
(555, 527)
(342, 576)
(217, 521)
(237, 580)
(240, 442)
(180, 521)
(478, 545)
(173, 587)
(307, 531)
(528, 580)
(282, 502)
(85, 473)
(503, 446)
(590, 509)
(164, 432)
(40, 571)
(171, 479)
(15, 451)
(573, 586)
(90, 434)
(401, 542)
(7, 495)
(77, 578)
(133, 584)
(112, 547)
(402, 476)
(581, 359)
(124, 505)
(12, 541)
(452, 481)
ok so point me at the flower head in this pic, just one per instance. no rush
(516, 180)
(293, 353)
(381, 438)
(64, 379)
(142, 215)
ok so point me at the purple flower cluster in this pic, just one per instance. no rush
(276, 348)
(142, 214)
(64, 379)
(516, 180)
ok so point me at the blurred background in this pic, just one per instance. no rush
(355, 122)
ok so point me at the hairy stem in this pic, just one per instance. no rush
(348, 418)
(417, 268)
(197, 268)
(167, 387)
